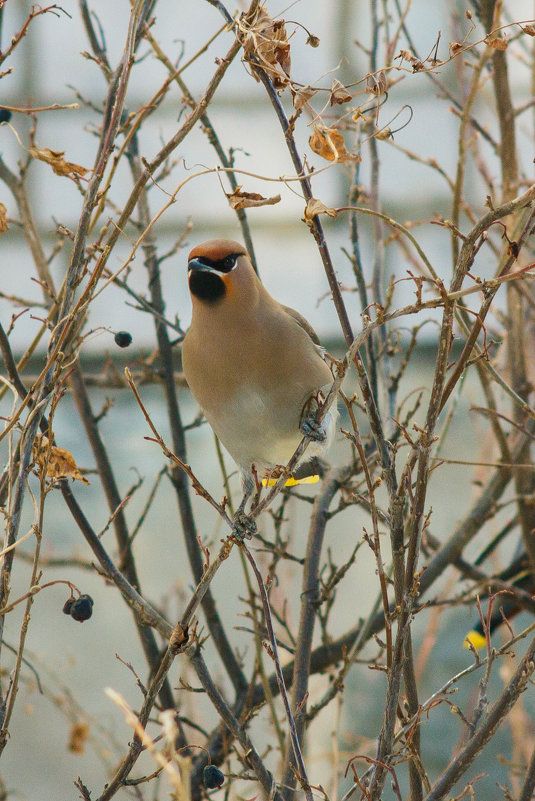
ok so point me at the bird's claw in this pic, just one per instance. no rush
(243, 527)
(313, 430)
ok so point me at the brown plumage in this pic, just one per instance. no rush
(254, 365)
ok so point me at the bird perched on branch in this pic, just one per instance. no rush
(256, 367)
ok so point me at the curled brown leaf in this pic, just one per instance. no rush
(315, 207)
(339, 94)
(496, 42)
(57, 162)
(57, 462)
(303, 96)
(329, 144)
(247, 200)
(268, 43)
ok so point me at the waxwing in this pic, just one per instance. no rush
(256, 367)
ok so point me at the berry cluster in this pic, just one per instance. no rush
(79, 609)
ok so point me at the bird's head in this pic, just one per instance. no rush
(218, 269)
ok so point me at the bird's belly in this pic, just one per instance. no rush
(254, 433)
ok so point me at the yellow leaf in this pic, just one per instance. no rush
(247, 200)
(3, 219)
(57, 162)
(58, 462)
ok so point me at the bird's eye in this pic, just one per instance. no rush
(228, 263)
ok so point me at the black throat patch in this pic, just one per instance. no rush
(206, 285)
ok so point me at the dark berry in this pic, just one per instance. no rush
(5, 115)
(123, 339)
(68, 606)
(82, 608)
(212, 777)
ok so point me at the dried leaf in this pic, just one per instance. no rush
(383, 133)
(529, 29)
(329, 144)
(376, 83)
(247, 200)
(313, 41)
(268, 42)
(415, 63)
(58, 462)
(78, 737)
(302, 97)
(339, 94)
(57, 162)
(3, 219)
(315, 206)
(497, 42)
(455, 47)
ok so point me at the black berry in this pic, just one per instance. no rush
(68, 606)
(82, 608)
(212, 777)
(5, 115)
(123, 339)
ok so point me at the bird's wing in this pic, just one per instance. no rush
(305, 325)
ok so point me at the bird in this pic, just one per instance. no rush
(505, 607)
(255, 366)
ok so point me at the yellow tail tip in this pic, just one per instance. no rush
(291, 482)
(475, 639)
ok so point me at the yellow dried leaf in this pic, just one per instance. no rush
(303, 96)
(58, 462)
(57, 162)
(329, 144)
(529, 29)
(248, 200)
(339, 94)
(3, 219)
(78, 737)
(268, 43)
(497, 42)
(315, 207)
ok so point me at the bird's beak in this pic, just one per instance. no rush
(198, 266)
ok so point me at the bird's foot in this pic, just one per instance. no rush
(313, 430)
(243, 526)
